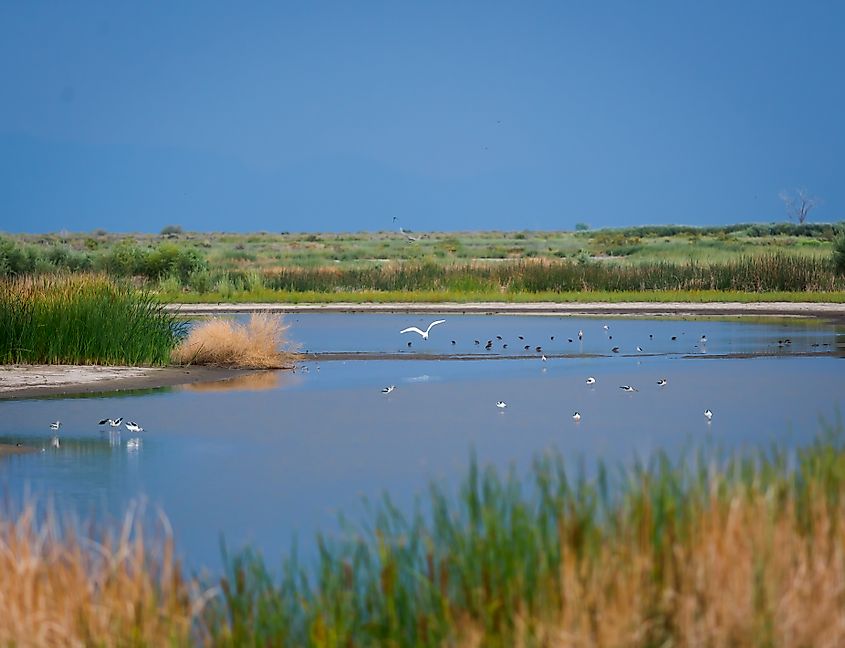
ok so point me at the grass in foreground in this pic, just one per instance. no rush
(82, 319)
(748, 552)
(223, 342)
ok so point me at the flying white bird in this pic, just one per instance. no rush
(628, 388)
(424, 334)
(591, 381)
(576, 416)
(501, 405)
(56, 425)
(132, 426)
(662, 382)
(708, 415)
(388, 389)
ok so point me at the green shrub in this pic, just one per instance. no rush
(839, 254)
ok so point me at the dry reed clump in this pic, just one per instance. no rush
(257, 344)
(60, 589)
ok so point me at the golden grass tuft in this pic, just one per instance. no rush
(60, 589)
(258, 344)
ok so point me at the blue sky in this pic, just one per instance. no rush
(306, 116)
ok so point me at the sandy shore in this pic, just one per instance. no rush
(34, 381)
(652, 309)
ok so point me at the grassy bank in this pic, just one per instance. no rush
(745, 552)
(82, 319)
(441, 296)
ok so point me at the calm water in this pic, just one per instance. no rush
(273, 455)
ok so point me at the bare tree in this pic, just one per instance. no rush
(798, 207)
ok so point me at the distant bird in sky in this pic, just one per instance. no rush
(424, 334)
(708, 415)
(591, 381)
(662, 382)
(501, 404)
(132, 426)
(56, 425)
(576, 416)
(628, 388)
(388, 389)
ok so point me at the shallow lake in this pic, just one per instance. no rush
(272, 455)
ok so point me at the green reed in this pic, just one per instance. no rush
(767, 273)
(83, 319)
(523, 561)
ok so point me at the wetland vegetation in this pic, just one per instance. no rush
(745, 551)
(795, 260)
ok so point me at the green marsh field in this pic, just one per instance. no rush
(794, 262)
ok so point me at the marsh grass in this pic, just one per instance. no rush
(258, 344)
(83, 319)
(747, 551)
(741, 553)
(60, 587)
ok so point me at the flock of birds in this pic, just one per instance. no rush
(502, 405)
(131, 426)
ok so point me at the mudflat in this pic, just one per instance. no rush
(33, 381)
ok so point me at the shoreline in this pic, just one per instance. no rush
(827, 310)
(39, 381)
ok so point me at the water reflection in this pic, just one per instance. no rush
(252, 381)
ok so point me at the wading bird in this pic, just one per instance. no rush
(424, 334)
(662, 382)
(111, 422)
(628, 388)
(501, 404)
(591, 381)
(388, 389)
(56, 425)
(576, 416)
(708, 415)
(132, 426)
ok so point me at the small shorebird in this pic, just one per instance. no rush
(576, 416)
(543, 358)
(580, 334)
(501, 405)
(628, 388)
(132, 426)
(388, 389)
(111, 422)
(424, 334)
(606, 327)
(591, 381)
(615, 349)
(703, 340)
(639, 348)
(708, 415)
(56, 425)
(662, 382)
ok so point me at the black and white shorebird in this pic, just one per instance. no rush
(132, 426)
(591, 381)
(639, 348)
(55, 425)
(606, 327)
(662, 382)
(580, 334)
(112, 422)
(388, 389)
(501, 405)
(708, 415)
(703, 340)
(424, 334)
(615, 349)
(576, 416)
(628, 388)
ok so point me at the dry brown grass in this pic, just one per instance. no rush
(65, 590)
(258, 344)
(750, 574)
